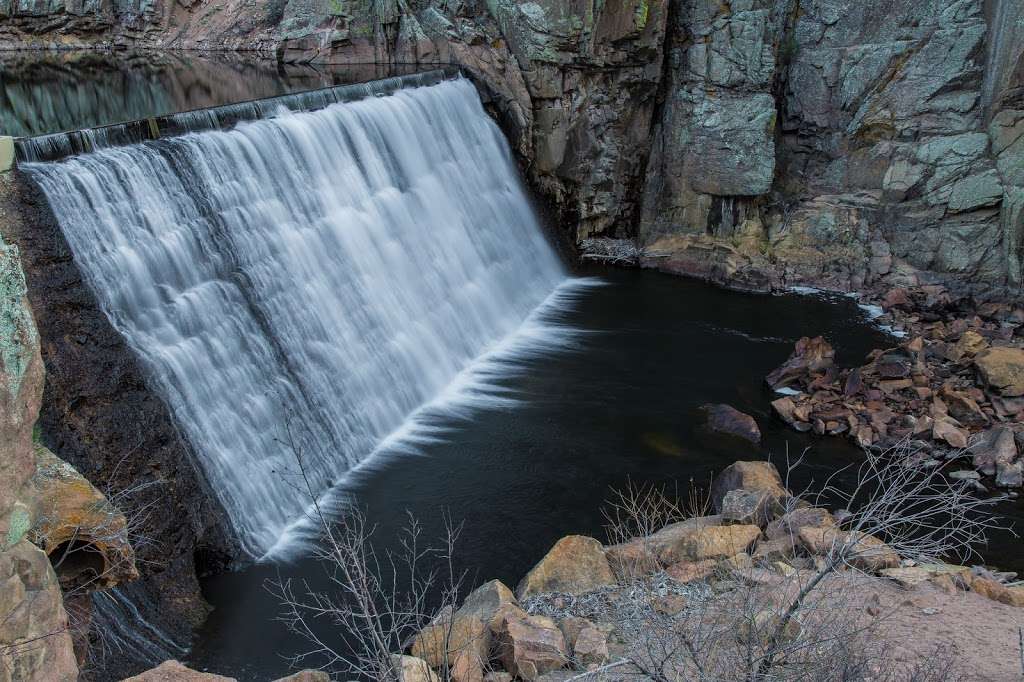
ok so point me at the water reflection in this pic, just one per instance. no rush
(47, 92)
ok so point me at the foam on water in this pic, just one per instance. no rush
(297, 287)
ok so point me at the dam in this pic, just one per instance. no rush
(297, 283)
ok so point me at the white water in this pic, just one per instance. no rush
(303, 284)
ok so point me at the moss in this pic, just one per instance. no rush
(643, 10)
(21, 521)
(17, 330)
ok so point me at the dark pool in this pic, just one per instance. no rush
(52, 91)
(623, 406)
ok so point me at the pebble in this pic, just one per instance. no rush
(964, 475)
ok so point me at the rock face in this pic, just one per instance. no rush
(35, 642)
(758, 143)
(98, 414)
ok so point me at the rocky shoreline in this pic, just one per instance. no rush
(585, 610)
(953, 390)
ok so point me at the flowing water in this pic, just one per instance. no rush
(298, 286)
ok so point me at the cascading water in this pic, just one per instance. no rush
(298, 286)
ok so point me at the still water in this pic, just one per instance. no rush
(622, 406)
(48, 92)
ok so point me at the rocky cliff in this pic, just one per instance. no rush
(757, 142)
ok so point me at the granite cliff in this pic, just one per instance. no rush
(760, 143)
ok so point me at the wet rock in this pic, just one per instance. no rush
(812, 356)
(727, 420)
(1002, 369)
(173, 671)
(993, 449)
(748, 476)
(529, 646)
(858, 549)
(576, 564)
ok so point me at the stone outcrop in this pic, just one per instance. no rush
(35, 639)
(98, 414)
(757, 143)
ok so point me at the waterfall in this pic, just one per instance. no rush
(297, 286)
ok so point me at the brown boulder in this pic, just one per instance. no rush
(529, 646)
(810, 357)
(857, 549)
(789, 525)
(993, 449)
(963, 408)
(463, 634)
(713, 542)
(748, 476)
(1002, 369)
(640, 556)
(488, 604)
(727, 420)
(575, 565)
(412, 669)
(942, 429)
(755, 507)
(986, 587)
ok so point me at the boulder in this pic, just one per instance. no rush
(590, 647)
(713, 542)
(943, 430)
(173, 671)
(748, 476)
(970, 344)
(412, 669)
(996, 591)
(911, 576)
(1002, 369)
(529, 646)
(963, 408)
(859, 550)
(461, 632)
(727, 420)
(789, 525)
(755, 507)
(811, 356)
(641, 556)
(575, 565)
(778, 549)
(993, 449)
(488, 603)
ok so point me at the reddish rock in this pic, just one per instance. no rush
(576, 564)
(727, 420)
(811, 357)
(747, 476)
